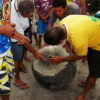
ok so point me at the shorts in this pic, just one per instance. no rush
(29, 35)
(93, 58)
(17, 51)
(42, 27)
(6, 65)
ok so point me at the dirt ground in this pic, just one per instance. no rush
(37, 92)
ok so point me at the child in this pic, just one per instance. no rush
(43, 8)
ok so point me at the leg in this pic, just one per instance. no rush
(22, 68)
(44, 29)
(40, 39)
(5, 87)
(18, 82)
(25, 55)
(46, 25)
(94, 71)
(90, 83)
(5, 97)
(35, 37)
(40, 30)
(17, 77)
(83, 83)
(17, 51)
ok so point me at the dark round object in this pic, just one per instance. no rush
(58, 79)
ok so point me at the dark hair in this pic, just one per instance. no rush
(58, 3)
(26, 7)
(54, 35)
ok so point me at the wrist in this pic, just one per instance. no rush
(2, 30)
(63, 59)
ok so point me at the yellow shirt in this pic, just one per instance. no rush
(83, 32)
(69, 1)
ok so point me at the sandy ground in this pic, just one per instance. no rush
(37, 92)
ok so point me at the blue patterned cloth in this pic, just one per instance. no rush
(4, 43)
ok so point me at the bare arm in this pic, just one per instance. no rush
(7, 30)
(38, 12)
(31, 49)
(53, 18)
(67, 47)
(56, 60)
(50, 25)
(83, 4)
(25, 41)
(48, 15)
(43, 45)
(72, 58)
(11, 32)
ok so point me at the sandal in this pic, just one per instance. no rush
(24, 86)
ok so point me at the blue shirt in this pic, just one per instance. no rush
(4, 43)
(4, 14)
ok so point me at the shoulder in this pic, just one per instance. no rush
(73, 8)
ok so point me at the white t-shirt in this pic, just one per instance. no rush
(21, 23)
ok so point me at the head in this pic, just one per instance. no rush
(54, 36)
(26, 8)
(60, 7)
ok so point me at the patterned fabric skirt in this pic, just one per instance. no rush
(6, 68)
